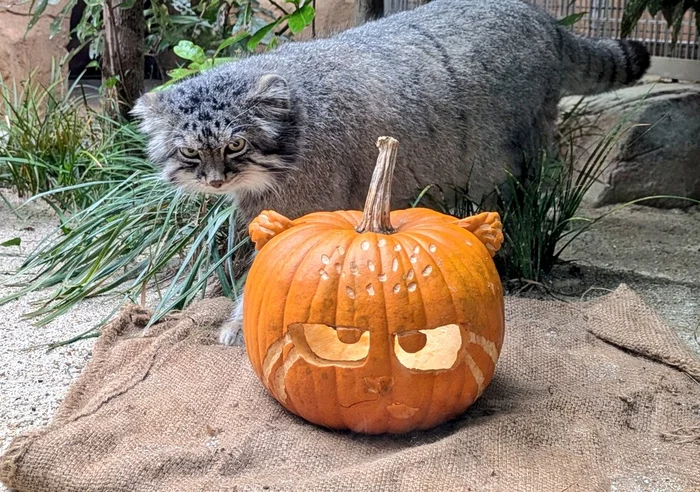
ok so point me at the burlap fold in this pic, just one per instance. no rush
(592, 396)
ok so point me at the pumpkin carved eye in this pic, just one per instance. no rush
(428, 350)
(339, 344)
(412, 342)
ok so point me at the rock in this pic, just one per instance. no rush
(20, 56)
(659, 154)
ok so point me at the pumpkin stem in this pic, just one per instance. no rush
(375, 217)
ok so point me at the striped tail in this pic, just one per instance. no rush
(593, 66)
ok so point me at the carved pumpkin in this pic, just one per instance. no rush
(376, 322)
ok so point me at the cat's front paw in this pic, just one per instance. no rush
(231, 332)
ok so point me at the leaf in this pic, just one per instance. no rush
(190, 51)
(654, 6)
(38, 10)
(111, 82)
(93, 64)
(572, 19)
(633, 12)
(55, 27)
(301, 18)
(180, 73)
(261, 33)
(229, 41)
(126, 4)
(221, 61)
(674, 13)
(272, 44)
(225, 44)
(15, 241)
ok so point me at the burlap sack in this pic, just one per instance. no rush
(579, 403)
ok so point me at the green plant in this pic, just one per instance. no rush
(122, 230)
(53, 140)
(539, 211)
(142, 233)
(673, 12)
(228, 27)
(245, 40)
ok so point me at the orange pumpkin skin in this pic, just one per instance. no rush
(377, 290)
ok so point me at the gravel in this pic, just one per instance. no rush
(33, 381)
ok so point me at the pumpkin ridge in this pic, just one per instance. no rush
(261, 312)
(339, 219)
(425, 409)
(465, 281)
(320, 241)
(286, 300)
(350, 237)
(431, 400)
(457, 231)
(484, 264)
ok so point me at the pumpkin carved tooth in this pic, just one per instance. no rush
(367, 325)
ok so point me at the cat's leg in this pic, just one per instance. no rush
(263, 228)
(231, 332)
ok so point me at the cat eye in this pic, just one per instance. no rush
(189, 153)
(236, 146)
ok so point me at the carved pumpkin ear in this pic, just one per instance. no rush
(270, 97)
(266, 226)
(487, 228)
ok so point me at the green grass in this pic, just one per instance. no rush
(52, 140)
(121, 229)
(539, 212)
(141, 234)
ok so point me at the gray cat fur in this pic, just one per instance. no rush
(459, 83)
(469, 88)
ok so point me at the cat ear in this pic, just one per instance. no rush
(270, 97)
(148, 111)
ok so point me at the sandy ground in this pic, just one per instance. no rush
(34, 381)
(656, 252)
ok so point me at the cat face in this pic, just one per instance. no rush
(214, 134)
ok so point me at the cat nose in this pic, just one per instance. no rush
(216, 183)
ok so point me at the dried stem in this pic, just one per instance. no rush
(375, 217)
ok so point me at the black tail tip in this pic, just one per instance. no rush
(638, 59)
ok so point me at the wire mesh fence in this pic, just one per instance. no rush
(604, 17)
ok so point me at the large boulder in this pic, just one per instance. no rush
(20, 55)
(658, 154)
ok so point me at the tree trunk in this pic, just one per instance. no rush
(393, 6)
(123, 56)
(367, 10)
